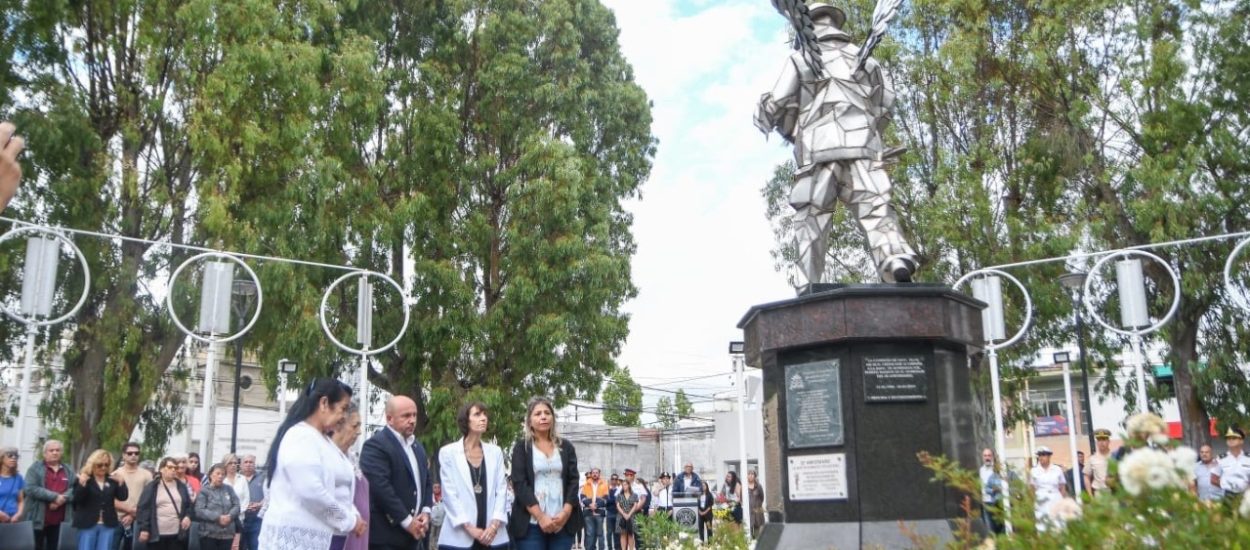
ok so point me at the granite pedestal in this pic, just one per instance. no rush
(858, 379)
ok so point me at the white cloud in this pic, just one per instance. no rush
(703, 243)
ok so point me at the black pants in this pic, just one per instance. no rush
(170, 542)
(705, 527)
(209, 543)
(48, 538)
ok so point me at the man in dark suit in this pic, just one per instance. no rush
(400, 488)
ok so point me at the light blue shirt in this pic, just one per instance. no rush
(548, 482)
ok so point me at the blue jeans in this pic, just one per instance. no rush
(594, 532)
(250, 539)
(99, 537)
(536, 539)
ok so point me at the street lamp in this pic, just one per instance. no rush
(245, 291)
(736, 350)
(1064, 358)
(1075, 284)
(286, 367)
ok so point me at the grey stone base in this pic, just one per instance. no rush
(852, 535)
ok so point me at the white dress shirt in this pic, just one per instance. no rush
(406, 443)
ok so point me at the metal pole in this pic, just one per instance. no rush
(28, 370)
(364, 398)
(281, 395)
(1067, 398)
(238, 375)
(1141, 374)
(1000, 437)
(739, 366)
(190, 390)
(1089, 402)
(207, 395)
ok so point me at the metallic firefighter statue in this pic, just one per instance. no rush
(834, 112)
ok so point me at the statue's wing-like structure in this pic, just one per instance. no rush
(805, 41)
(881, 17)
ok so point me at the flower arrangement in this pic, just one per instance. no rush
(662, 533)
(1150, 504)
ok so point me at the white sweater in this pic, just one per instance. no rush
(310, 496)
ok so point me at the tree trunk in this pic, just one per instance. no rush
(1184, 343)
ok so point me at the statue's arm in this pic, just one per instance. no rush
(779, 108)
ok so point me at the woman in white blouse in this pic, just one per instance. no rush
(303, 509)
(237, 482)
(475, 486)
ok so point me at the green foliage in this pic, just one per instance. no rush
(682, 406)
(1039, 131)
(622, 400)
(663, 533)
(665, 413)
(477, 151)
(1147, 507)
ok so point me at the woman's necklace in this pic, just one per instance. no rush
(476, 472)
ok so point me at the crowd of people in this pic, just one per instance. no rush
(317, 495)
(610, 508)
(1223, 479)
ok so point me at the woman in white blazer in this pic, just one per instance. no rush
(474, 487)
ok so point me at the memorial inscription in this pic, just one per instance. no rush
(895, 379)
(817, 477)
(813, 405)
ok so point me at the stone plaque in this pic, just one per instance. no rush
(818, 477)
(895, 379)
(813, 405)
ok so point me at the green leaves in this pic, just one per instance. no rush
(622, 401)
(1039, 131)
(478, 151)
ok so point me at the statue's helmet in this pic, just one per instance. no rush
(818, 9)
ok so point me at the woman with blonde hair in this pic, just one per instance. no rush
(95, 494)
(238, 482)
(12, 487)
(545, 478)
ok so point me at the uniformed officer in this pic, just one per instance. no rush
(1098, 461)
(1234, 466)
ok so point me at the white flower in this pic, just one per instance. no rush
(1065, 510)
(1145, 425)
(1150, 468)
(1160, 439)
(1185, 459)
(1245, 507)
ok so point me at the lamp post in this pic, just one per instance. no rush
(244, 290)
(987, 286)
(43, 249)
(736, 350)
(286, 367)
(214, 320)
(1075, 283)
(1134, 319)
(1064, 359)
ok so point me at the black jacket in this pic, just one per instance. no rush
(93, 502)
(392, 489)
(146, 515)
(523, 486)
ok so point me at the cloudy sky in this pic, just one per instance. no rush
(703, 241)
